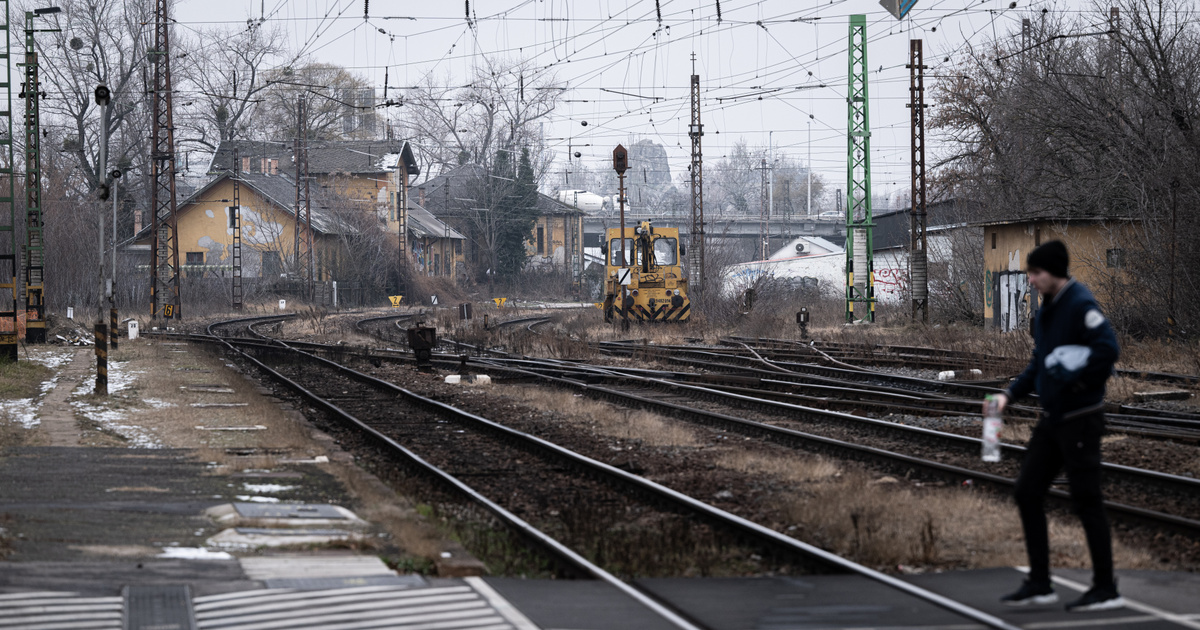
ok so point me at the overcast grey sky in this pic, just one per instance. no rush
(628, 72)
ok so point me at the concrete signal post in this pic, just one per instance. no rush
(103, 97)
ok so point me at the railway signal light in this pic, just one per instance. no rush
(620, 160)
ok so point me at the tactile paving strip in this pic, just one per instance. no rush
(159, 607)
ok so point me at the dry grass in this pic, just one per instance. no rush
(886, 522)
(22, 379)
(879, 521)
(609, 420)
(796, 470)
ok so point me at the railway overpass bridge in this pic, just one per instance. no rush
(740, 229)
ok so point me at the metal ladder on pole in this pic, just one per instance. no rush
(9, 330)
(235, 223)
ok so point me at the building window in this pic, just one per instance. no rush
(1037, 236)
(437, 263)
(195, 258)
(1115, 258)
(541, 240)
(458, 247)
(993, 240)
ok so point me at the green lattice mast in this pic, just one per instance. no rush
(860, 264)
(8, 214)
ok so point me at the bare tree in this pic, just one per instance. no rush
(101, 41)
(1086, 122)
(223, 74)
(499, 109)
(341, 104)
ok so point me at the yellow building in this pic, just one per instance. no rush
(433, 247)
(1098, 250)
(556, 242)
(268, 229)
(353, 169)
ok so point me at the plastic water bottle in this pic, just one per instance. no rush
(991, 430)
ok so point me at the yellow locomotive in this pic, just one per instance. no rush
(648, 285)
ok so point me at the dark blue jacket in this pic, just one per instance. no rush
(1072, 317)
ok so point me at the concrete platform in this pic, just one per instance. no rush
(323, 594)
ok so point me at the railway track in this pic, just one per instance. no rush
(936, 397)
(743, 404)
(507, 467)
(1159, 498)
(738, 404)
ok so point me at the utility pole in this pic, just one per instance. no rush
(9, 329)
(808, 169)
(113, 317)
(770, 181)
(860, 276)
(764, 209)
(235, 224)
(1171, 272)
(1026, 41)
(402, 229)
(696, 235)
(164, 269)
(35, 245)
(303, 238)
(918, 251)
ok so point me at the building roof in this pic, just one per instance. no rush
(325, 157)
(893, 227)
(280, 191)
(1051, 219)
(422, 224)
(446, 193)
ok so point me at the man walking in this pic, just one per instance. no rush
(1073, 356)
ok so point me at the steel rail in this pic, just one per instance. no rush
(713, 358)
(731, 520)
(1187, 485)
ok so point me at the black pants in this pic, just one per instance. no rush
(1075, 445)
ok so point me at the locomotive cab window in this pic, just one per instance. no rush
(614, 252)
(665, 251)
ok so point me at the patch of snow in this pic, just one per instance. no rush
(158, 404)
(23, 411)
(256, 499)
(388, 161)
(193, 553)
(119, 378)
(267, 488)
(51, 358)
(49, 385)
(114, 420)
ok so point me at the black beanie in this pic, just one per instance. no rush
(1050, 257)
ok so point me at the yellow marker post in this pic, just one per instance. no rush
(499, 301)
(395, 300)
